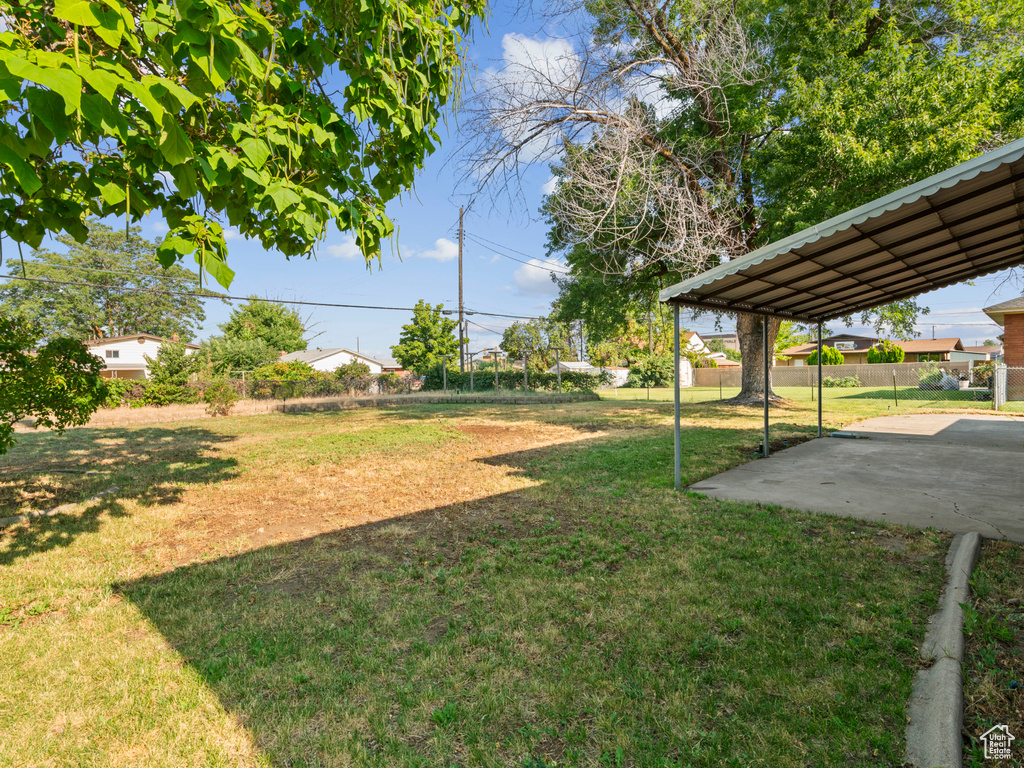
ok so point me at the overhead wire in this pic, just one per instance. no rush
(228, 297)
(112, 272)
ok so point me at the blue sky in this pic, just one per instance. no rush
(427, 267)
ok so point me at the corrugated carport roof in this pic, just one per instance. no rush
(960, 224)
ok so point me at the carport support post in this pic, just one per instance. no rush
(767, 379)
(819, 379)
(675, 339)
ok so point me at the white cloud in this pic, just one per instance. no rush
(534, 278)
(549, 186)
(160, 227)
(533, 69)
(443, 250)
(649, 87)
(232, 234)
(347, 249)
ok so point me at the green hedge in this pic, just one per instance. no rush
(840, 381)
(572, 381)
(138, 393)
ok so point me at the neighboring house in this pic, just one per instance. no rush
(724, 362)
(1010, 315)
(331, 359)
(125, 356)
(392, 366)
(855, 350)
(939, 350)
(991, 351)
(618, 373)
(692, 340)
(729, 340)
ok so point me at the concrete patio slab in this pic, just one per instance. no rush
(958, 473)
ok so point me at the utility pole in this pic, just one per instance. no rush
(462, 354)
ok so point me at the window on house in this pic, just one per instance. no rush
(845, 345)
(113, 353)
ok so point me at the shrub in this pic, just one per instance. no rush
(353, 370)
(572, 381)
(829, 356)
(220, 397)
(388, 383)
(293, 371)
(154, 393)
(930, 377)
(981, 375)
(173, 364)
(840, 381)
(653, 371)
(887, 351)
(119, 392)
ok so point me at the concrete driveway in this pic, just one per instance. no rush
(957, 473)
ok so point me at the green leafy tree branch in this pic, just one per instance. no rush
(206, 109)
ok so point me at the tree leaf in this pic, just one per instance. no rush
(148, 100)
(77, 12)
(26, 177)
(174, 144)
(61, 81)
(256, 150)
(104, 82)
(48, 108)
(281, 196)
(218, 269)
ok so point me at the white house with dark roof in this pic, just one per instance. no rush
(331, 359)
(125, 356)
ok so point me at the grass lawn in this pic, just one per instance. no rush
(447, 585)
(994, 659)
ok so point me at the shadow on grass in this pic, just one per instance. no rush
(590, 619)
(150, 466)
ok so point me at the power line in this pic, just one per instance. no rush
(558, 269)
(111, 271)
(226, 297)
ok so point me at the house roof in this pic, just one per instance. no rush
(860, 344)
(986, 349)
(131, 337)
(725, 362)
(998, 311)
(954, 226)
(916, 347)
(921, 346)
(312, 355)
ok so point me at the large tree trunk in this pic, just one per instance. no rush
(749, 330)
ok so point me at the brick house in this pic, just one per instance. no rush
(855, 350)
(1010, 315)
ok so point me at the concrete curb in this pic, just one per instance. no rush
(6, 521)
(936, 710)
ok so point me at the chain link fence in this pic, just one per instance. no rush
(948, 384)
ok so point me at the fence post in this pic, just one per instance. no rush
(895, 395)
(720, 384)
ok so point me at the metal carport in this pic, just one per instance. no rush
(957, 225)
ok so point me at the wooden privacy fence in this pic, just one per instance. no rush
(870, 375)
